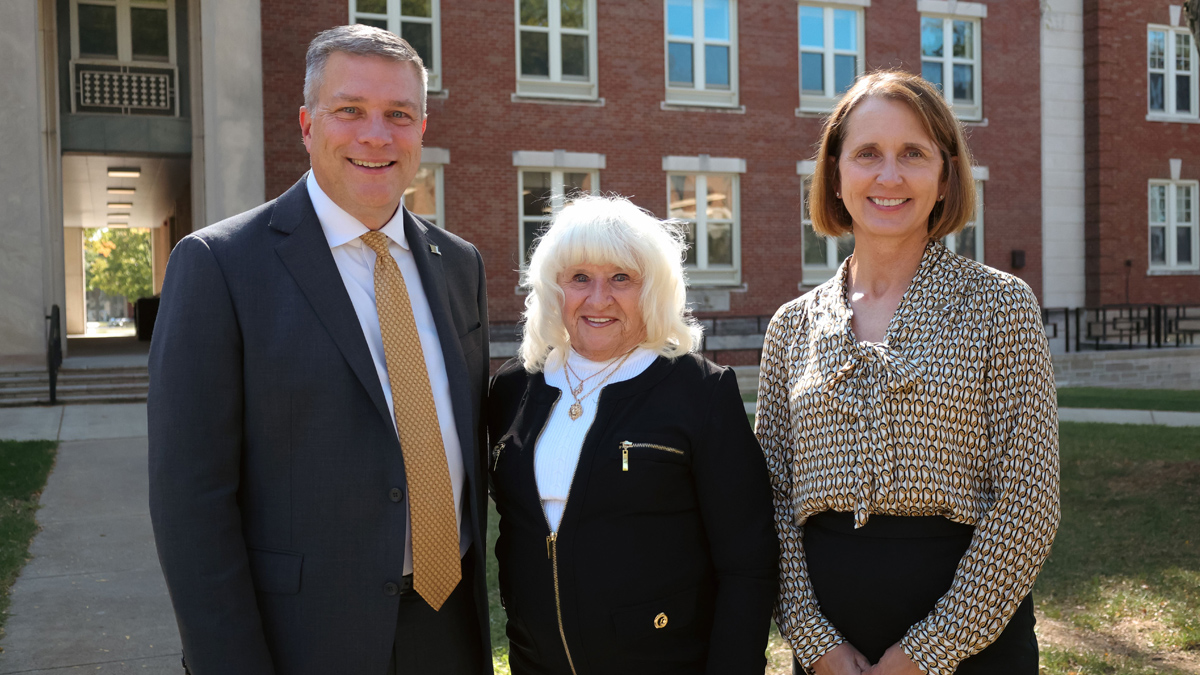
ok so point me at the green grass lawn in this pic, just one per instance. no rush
(1120, 594)
(24, 466)
(1129, 399)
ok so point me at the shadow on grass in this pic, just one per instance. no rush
(1127, 555)
(24, 466)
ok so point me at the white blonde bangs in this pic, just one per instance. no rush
(608, 231)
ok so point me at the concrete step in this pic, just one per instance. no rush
(83, 378)
(26, 380)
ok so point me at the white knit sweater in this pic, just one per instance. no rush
(558, 448)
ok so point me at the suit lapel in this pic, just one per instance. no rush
(306, 255)
(433, 278)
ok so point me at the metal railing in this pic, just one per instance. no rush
(1121, 327)
(54, 355)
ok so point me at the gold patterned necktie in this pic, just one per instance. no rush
(437, 567)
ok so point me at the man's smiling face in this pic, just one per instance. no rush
(364, 137)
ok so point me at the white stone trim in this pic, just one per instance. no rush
(953, 8)
(806, 167)
(1176, 14)
(435, 156)
(703, 164)
(979, 172)
(844, 3)
(1176, 168)
(558, 159)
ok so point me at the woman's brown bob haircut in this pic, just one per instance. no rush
(829, 215)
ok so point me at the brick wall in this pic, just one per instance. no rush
(1123, 152)
(480, 124)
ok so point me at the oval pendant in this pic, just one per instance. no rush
(575, 411)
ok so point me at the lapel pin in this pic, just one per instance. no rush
(434, 249)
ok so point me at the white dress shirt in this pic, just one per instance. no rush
(356, 263)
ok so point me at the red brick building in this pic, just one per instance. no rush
(1142, 154)
(677, 103)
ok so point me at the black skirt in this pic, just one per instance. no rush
(875, 582)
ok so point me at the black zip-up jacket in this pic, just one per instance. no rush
(666, 559)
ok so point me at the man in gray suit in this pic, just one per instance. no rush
(317, 468)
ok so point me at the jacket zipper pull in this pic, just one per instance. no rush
(496, 455)
(550, 542)
(625, 446)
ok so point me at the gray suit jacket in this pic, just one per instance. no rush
(273, 460)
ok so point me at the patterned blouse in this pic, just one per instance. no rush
(954, 415)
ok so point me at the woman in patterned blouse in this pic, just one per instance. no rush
(907, 410)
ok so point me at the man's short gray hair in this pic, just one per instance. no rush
(358, 40)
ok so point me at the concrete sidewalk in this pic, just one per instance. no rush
(93, 597)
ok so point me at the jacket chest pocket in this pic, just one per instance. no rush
(634, 453)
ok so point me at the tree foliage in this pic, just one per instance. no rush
(118, 262)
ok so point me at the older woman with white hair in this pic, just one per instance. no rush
(635, 509)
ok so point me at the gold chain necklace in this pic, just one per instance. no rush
(579, 387)
(577, 407)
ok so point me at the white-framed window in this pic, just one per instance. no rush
(556, 48)
(1171, 63)
(424, 196)
(545, 183)
(968, 242)
(702, 193)
(831, 54)
(1174, 244)
(822, 255)
(950, 59)
(701, 43)
(128, 31)
(417, 21)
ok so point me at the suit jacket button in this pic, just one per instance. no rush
(396, 494)
(390, 588)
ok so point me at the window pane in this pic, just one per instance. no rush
(533, 229)
(716, 19)
(575, 55)
(812, 69)
(845, 29)
(376, 23)
(534, 13)
(575, 183)
(812, 27)
(716, 67)
(689, 236)
(1183, 51)
(679, 56)
(1156, 91)
(931, 37)
(1183, 204)
(844, 71)
(535, 53)
(1158, 245)
(1183, 93)
(1158, 203)
(535, 200)
(815, 251)
(371, 6)
(1183, 246)
(1157, 45)
(421, 195)
(845, 246)
(574, 14)
(679, 18)
(420, 36)
(720, 198)
(964, 83)
(964, 242)
(964, 39)
(97, 30)
(720, 243)
(932, 71)
(148, 33)
(414, 8)
(683, 197)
